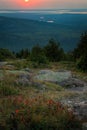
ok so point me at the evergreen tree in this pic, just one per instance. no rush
(53, 51)
(82, 63)
(80, 53)
(82, 47)
(37, 55)
(6, 54)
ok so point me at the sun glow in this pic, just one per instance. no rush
(26, 0)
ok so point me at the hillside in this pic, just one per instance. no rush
(51, 98)
(16, 34)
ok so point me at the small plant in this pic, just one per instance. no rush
(7, 85)
(6, 91)
(40, 114)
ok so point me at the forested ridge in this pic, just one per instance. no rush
(52, 52)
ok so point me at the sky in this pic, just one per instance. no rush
(43, 4)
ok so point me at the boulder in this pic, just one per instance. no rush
(72, 83)
(39, 86)
(28, 70)
(52, 76)
(45, 72)
(24, 79)
(78, 107)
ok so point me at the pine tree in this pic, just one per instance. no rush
(53, 51)
(37, 55)
(80, 53)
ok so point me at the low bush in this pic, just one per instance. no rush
(82, 64)
(38, 114)
(7, 90)
(7, 86)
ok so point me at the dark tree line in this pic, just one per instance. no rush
(23, 54)
(52, 52)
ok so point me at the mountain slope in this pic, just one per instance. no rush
(16, 34)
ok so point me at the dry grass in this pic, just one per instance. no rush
(26, 94)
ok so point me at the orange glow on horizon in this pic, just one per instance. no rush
(26, 0)
(43, 4)
(28, 4)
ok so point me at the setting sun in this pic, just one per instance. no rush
(26, 0)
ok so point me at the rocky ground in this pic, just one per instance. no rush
(71, 84)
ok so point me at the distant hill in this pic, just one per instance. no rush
(16, 34)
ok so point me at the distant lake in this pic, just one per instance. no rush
(50, 16)
(56, 11)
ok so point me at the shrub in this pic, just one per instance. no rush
(7, 86)
(37, 55)
(7, 90)
(6, 54)
(41, 114)
(80, 53)
(53, 51)
(82, 63)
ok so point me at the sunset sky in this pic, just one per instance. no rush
(42, 4)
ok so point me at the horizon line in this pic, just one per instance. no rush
(44, 9)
